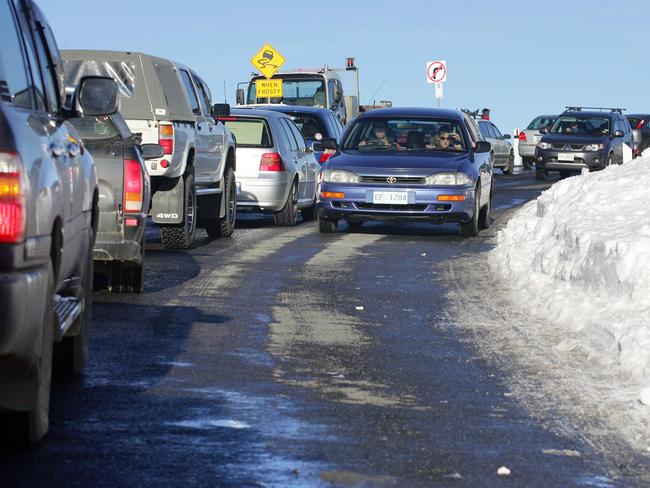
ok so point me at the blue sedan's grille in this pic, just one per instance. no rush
(393, 180)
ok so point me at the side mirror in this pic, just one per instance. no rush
(619, 133)
(240, 96)
(316, 146)
(97, 95)
(220, 110)
(506, 136)
(483, 147)
(543, 130)
(152, 151)
(329, 143)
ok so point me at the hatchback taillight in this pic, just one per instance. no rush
(522, 136)
(271, 162)
(133, 186)
(12, 201)
(166, 137)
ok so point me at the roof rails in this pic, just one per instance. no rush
(580, 109)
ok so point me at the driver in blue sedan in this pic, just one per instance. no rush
(379, 137)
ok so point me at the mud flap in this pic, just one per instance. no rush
(167, 206)
(208, 207)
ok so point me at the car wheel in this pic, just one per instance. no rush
(609, 162)
(510, 164)
(289, 213)
(181, 236)
(471, 228)
(227, 223)
(485, 215)
(527, 162)
(72, 352)
(540, 174)
(327, 226)
(309, 213)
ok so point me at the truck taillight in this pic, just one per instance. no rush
(271, 162)
(133, 186)
(166, 137)
(325, 156)
(12, 201)
(522, 136)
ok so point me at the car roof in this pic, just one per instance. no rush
(589, 113)
(293, 108)
(637, 115)
(254, 112)
(546, 116)
(412, 112)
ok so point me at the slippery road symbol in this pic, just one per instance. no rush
(265, 60)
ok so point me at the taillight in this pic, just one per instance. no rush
(271, 162)
(325, 156)
(132, 186)
(640, 124)
(166, 137)
(12, 202)
(522, 136)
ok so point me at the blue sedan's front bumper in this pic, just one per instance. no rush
(424, 203)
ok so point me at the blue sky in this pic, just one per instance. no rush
(519, 58)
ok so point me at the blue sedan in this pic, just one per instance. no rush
(408, 164)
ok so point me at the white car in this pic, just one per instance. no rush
(276, 170)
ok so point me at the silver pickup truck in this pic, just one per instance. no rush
(48, 219)
(167, 103)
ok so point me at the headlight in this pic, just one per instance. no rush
(594, 147)
(449, 179)
(339, 176)
(545, 145)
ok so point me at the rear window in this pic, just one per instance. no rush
(249, 132)
(91, 128)
(311, 126)
(540, 123)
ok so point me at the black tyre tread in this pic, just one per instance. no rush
(226, 225)
(471, 228)
(178, 236)
(510, 164)
(288, 215)
(327, 226)
(309, 213)
(485, 215)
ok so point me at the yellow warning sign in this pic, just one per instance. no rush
(267, 61)
(268, 88)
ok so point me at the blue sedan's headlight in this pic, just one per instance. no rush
(449, 179)
(339, 176)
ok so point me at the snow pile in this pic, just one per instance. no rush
(579, 256)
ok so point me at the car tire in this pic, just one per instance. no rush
(510, 164)
(309, 213)
(540, 174)
(471, 228)
(609, 161)
(485, 214)
(327, 226)
(226, 224)
(72, 352)
(181, 236)
(289, 214)
(527, 162)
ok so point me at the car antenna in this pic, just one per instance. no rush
(372, 98)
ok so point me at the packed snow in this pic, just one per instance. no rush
(579, 256)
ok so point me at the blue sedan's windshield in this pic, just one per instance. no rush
(405, 134)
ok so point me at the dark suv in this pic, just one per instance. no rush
(584, 137)
(48, 218)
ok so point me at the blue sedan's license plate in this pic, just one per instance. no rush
(390, 197)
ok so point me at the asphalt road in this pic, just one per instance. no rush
(283, 357)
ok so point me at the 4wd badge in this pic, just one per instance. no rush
(267, 61)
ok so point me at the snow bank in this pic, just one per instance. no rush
(580, 256)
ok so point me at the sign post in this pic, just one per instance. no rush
(437, 74)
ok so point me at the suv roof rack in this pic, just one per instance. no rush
(580, 109)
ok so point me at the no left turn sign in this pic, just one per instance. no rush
(436, 71)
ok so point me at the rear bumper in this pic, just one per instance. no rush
(119, 242)
(423, 204)
(527, 150)
(269, 194)
(22, 299)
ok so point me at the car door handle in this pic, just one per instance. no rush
(57, 149)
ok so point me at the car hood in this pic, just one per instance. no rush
(419, 164)
(570, 139)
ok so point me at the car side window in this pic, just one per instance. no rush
(485, 131)
(203, 96)
(300, 140)
(293, 145)
(191, 94)
(496, 133)
(46, 64)
(474, 137)
(37, 88)
(336, 125)
(14, 69)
